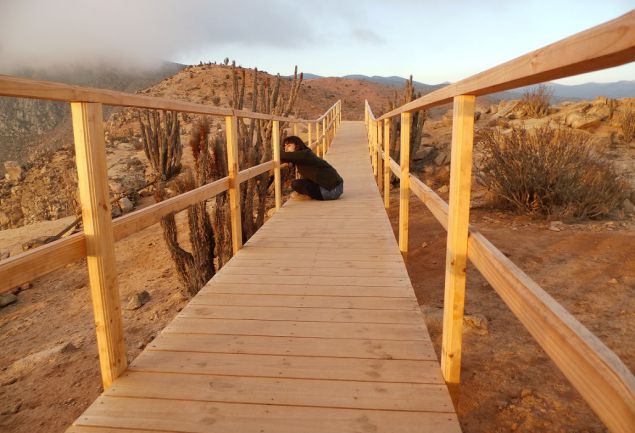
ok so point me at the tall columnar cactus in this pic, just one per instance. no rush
(163, 148)
(161, 141)
(416, 127)
(254, 138)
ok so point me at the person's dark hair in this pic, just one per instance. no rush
(294, 139)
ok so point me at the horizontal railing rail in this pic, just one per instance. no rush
(602, 379)
(96, 241)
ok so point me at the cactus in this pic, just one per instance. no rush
(162, 145)
(416, 126)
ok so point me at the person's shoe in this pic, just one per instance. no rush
(299, 197)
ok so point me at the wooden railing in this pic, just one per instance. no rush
(96, 242)
(594, 370)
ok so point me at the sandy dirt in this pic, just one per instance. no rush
(49, 371)
(508, 382)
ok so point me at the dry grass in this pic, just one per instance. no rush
(627, 123)
(549, 172)
(536, 101)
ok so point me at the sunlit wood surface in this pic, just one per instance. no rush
(312, 327)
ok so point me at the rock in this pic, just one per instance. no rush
(443, 190)
(477, 115)
(12, 409)
(116, 187)
(441, 158)
(423, 153)
(628, 206)
(424, 245)
(4, 254)
(555, 226)
(13, 171)
(7, 298)
(613, 281)
(125, 146)
(125, 205)
(476, 323)
(4, 219)
(579, 120)
(525, 393)
(138, 300)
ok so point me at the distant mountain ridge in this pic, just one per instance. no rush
(617, 89)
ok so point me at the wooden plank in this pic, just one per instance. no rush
(205, 417)
(387, 160)
(46, 258)
(456, 250)
(296, 367)
(283, 269)
(300, 314)
(366, 331)
(603, 380)
(299, 346)
(277, 179)
(280, 391)
(308, 290)
(604, 46)
(252, 172)
(580, 355)
(38, 89)
(378, 156)
(312, 280)
(231, 128)
(404, 183)
(92, 173)
(320, 263)
(357, 302)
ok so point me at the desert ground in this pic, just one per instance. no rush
(49, 372)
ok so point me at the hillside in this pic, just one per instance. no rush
(31, 125)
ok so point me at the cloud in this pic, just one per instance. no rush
(41, 33)
(367, 36)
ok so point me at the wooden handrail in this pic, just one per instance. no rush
(604, 46)
(47, 90)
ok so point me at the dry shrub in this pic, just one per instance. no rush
(536, 101)
(549, 172)
(627, 123)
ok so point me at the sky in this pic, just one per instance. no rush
(434, 40)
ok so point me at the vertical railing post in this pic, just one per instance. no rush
(380, 159)
(456, 252)
(373, 145)
(404, 183)
(387, 171)
(231, 130)
(295, 128)
(324, 149)
(309, 139)
(92, 173)
(275, 141)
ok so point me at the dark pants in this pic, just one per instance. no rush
(315, 191)
(307, 187)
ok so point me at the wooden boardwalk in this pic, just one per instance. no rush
(312, 327)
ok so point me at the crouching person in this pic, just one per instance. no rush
(320, 181)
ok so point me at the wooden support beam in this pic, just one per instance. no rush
(92, 173)
(295, 128)
(404, 183)
(275, 140)
(386, 163)
(456, 253)
(231, 130)
(380, 165)
(324, 149)
(373, 146)
(309, 135)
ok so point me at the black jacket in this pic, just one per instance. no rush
(312, 167)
